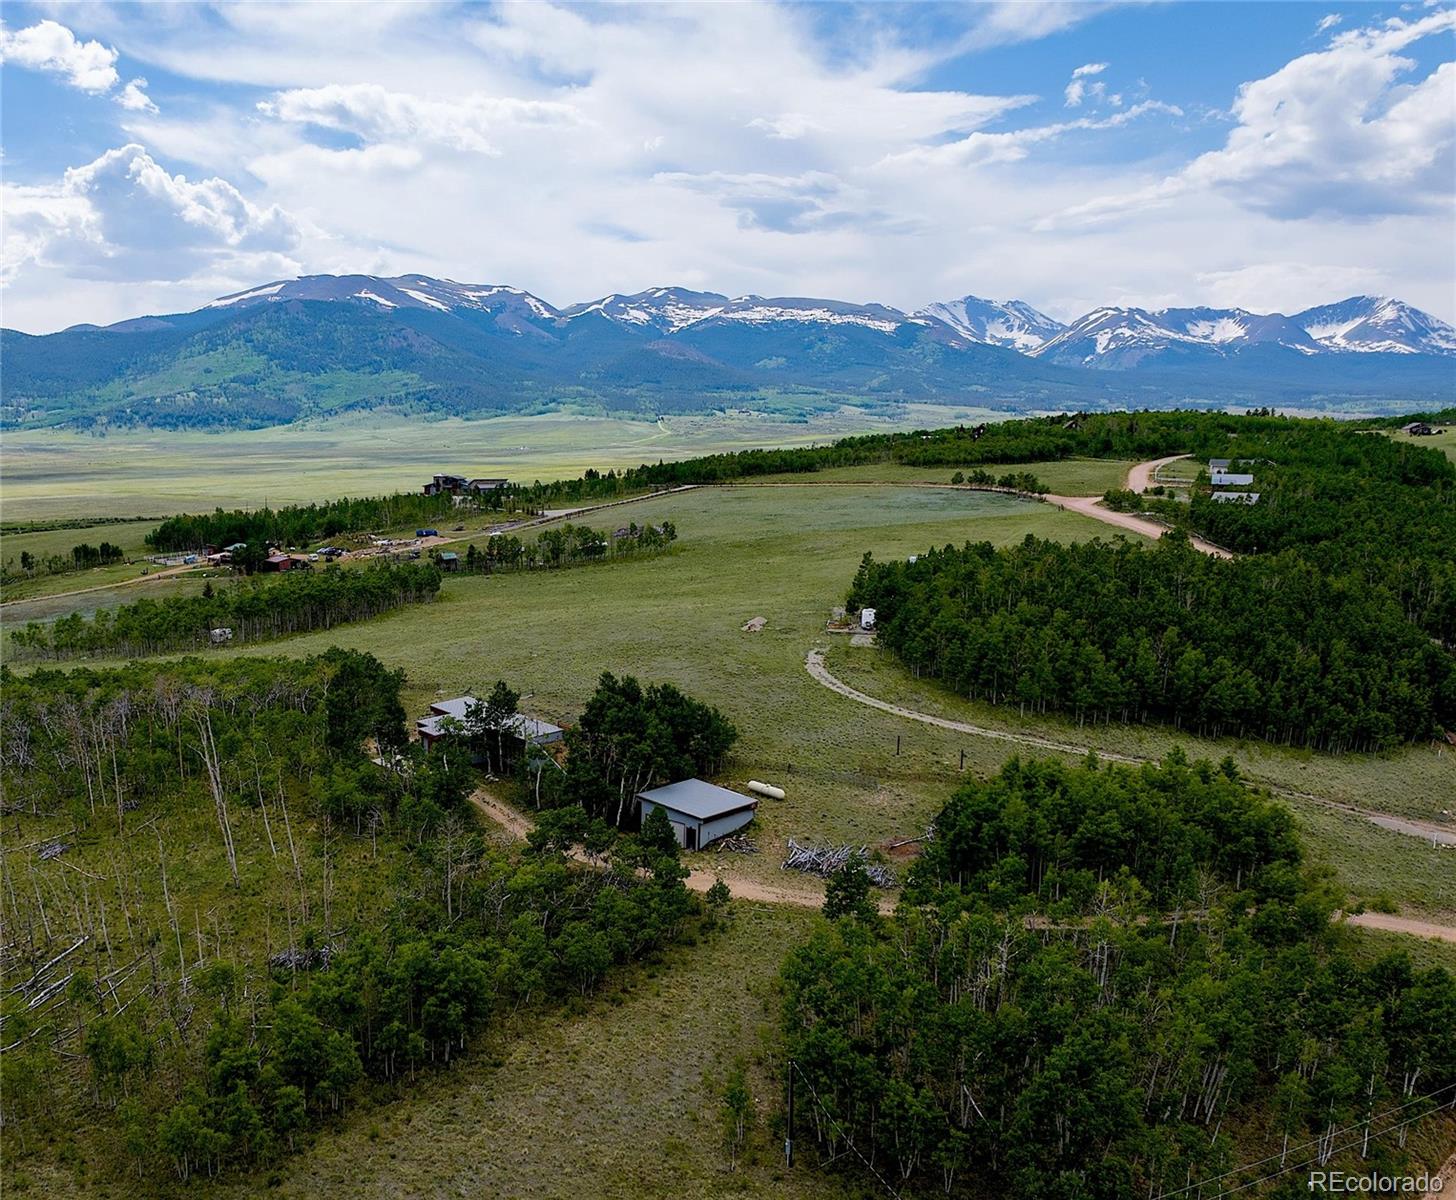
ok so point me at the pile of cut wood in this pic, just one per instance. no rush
(826, 860)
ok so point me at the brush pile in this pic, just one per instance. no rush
(826, 860)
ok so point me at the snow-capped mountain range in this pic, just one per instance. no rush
(302, 348)
(1111, 337)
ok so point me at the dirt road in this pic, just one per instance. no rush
(1089, 506)
(1447, 1177)
(1393, 924)
(1144, 474)
(105, 587)
(1139, 478)
(518, 826)
(814, 664)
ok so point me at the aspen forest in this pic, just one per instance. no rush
(1105, 982)
(226, 922)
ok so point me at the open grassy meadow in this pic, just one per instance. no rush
(53, 473)
(621, 1097)
(1068, 477)
(787, 554)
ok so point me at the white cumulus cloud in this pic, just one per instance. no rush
(1341, 131)
(50, 46)
(125, 217)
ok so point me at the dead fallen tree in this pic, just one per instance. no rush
(826, 860)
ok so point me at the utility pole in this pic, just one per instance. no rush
(789, 1125)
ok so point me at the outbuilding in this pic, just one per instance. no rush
(519, 729)
(700, 812)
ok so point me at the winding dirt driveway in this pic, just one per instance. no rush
(1139, 477)
(1090, 506)
(1429, 831)
(1144, 474)
(814, 664)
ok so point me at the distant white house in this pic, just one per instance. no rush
(1229, 479)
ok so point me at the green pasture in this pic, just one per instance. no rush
(1068, 477)
(51, 473)
(787, 554)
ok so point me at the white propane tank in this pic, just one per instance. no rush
(766, 789)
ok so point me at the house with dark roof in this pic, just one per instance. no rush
(521, 729)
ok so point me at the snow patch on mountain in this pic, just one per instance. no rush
(1377, 324)
(1012, 323)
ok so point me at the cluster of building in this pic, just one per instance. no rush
(699, 812)
(1223, 479)
(1420, 429)
(276, 559)
(459, 485)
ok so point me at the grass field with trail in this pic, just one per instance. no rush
(788, 555)
(45, 543)
(54, 473)
(625, 1092)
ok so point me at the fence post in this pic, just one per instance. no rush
(789, 1125)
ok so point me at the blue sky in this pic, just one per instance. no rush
(1263, 155)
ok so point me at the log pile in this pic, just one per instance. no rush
(738, 843)
(826, 860)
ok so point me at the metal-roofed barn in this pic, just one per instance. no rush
(700, 812)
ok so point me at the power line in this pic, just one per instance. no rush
(1309, 1162)
(848, 1141)
(1362, 1123)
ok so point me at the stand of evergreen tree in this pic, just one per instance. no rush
(1104, 982)
(630, 739)
(565, 545)
(303, 524)
(1334, 628)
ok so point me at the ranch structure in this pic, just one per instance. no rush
(700, 812)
